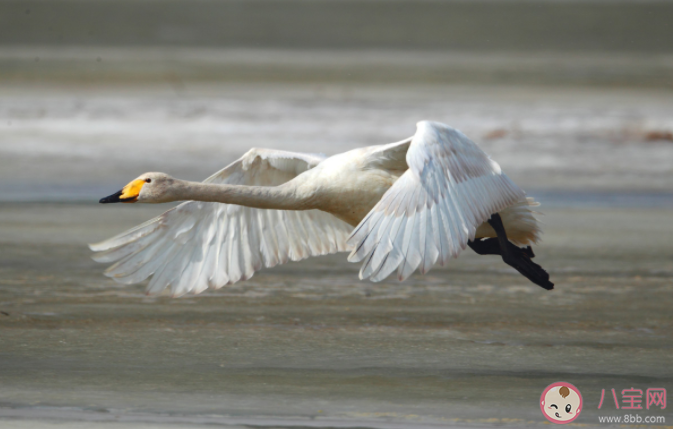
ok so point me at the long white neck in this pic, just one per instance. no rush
(283, 197)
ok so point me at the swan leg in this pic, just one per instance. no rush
(491, 246)
(516, 257)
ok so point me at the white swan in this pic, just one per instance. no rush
(413, 203)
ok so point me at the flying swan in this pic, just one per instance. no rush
(395, 207)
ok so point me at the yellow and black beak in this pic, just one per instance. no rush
(129, 194)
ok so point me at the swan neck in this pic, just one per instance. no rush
(281, 197)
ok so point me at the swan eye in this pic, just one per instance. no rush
(148, 180)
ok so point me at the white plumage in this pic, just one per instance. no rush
(434, 208)
(413, 203)
(197, 244)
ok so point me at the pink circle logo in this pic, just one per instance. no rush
(561, 402)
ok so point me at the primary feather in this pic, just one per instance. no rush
(197, 245)
(450, 189)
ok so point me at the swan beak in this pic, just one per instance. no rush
(129, 194)
(114, 198)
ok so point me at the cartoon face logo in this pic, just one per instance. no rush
(561, 402)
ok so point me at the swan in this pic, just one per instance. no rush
(396, 207)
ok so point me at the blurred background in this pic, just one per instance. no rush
(566, 95)
(573, 98)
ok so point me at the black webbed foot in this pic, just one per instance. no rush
(520, 261)
(518, 258)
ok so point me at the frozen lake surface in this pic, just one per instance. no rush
(78, 143)
(307, 344)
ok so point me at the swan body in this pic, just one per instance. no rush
(400, 206)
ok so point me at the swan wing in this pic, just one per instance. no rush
(434, 208)
(197, 245)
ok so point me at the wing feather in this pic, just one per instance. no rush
(198, 245)
(429, 214)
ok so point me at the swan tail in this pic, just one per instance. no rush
(520, 223)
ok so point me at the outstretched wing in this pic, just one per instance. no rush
(197, 245)
(434, 208)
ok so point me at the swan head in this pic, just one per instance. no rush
(147, 188)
